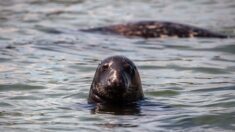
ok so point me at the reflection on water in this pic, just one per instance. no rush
(47, 66)
(131, 109)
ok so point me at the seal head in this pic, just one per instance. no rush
(116, 81)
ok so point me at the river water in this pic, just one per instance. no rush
(47, 65)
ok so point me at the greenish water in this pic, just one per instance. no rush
(47, 65)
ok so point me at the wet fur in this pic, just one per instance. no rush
(156, 29)
(101, 92)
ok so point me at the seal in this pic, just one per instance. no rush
(156, 29)
(116, 81)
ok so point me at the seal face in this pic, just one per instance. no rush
(116, 81)
(156, 29)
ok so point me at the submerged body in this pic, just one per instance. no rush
(156, 29)
(116, 81)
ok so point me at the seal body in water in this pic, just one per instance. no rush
(116, 81)
(156, 29)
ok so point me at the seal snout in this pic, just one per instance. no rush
(117, 82)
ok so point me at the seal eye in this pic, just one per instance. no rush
(128, 68)
(105, 67)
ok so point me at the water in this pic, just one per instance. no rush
(46, 66)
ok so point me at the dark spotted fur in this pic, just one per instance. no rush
(155, 29)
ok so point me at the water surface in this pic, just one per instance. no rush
(46, 66)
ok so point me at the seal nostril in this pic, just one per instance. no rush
(114, 82)
(109, 81)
